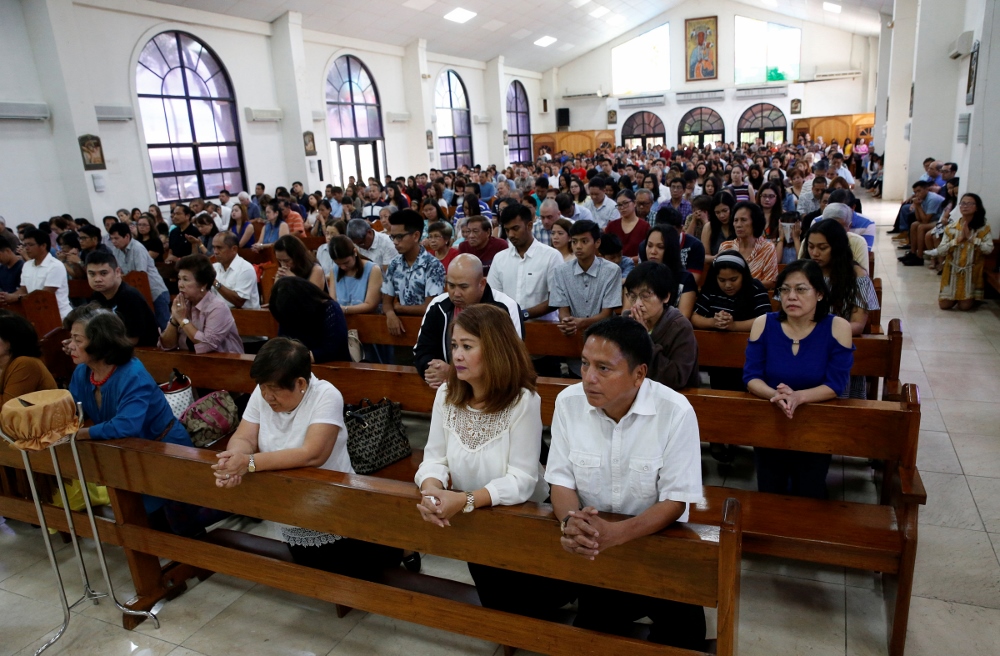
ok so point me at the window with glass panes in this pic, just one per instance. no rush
(454, 121)
(518, 123)
(700, 126)
(354, 121)
(189, 119)
(762, 121)
(643, 130)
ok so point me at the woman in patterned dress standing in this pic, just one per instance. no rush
(964, 244)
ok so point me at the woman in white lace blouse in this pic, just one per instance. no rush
(486, 438)
(294, 420)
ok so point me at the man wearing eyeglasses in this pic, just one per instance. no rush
(414, 276)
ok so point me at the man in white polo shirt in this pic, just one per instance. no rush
(235, 278)
(522, 271)
(42, 271)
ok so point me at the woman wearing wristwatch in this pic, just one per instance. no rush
(200, 321)
(294, 420)
(486, 437)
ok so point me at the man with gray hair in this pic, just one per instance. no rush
(375, 246)
(572, 210)
(235, 278)
(843, 215)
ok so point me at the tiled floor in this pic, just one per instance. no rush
(787, 607)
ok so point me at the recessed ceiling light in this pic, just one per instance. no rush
(832, 7)
(545, 41)
(576, 4)
(460, 15)
(769, 3)
(600, 11)
(419, 5)
(616, 19)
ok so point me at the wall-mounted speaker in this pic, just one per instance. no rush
(562, 117)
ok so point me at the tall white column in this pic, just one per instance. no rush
(882, 83)
(288, 57)
(418, 89)
(55, 44)
(932, 132)
(895, 179)
(495, 90)
(985, 131)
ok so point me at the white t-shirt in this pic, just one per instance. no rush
(497, 451)
(50, 273)
(242, 279)
(321, 404)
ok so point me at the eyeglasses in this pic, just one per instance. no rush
(646, 296)
(768, 196)
(800, 290)
(401, 236)
(625, 203)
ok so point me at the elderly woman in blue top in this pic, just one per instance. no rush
(116, 391)
(800, 354)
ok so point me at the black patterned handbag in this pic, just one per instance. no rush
(376, 436)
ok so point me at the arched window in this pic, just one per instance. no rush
(700, 126)
(454, 122)
(518, 123)
(354, 122)
(643, 130)
(189, 118)
(762, 121)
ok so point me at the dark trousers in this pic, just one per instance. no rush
(610, 611)
(355, 558)
(516, 592)
(796, 473)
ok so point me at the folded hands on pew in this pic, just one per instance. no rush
(437, 373)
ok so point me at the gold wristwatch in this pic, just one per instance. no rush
(251, 468)
(470, 503)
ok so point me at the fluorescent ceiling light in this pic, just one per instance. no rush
(769, 3)
(576, 4)
(832, 7)
(460, 15)
(545, 41)
(600, 11)
(616, 19)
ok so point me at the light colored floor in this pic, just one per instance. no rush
(787, 607)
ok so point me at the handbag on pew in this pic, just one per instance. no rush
(179, 393)
(211, 418)
(376, 436)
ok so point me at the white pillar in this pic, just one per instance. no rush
(55, 44)
(418, 89)
(895, 180)
(882, 83)
(933, 125)
(288, 57)
(495, 91)
(984, 137)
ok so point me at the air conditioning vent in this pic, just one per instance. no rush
(263, 115)
(572, 95)
(762, 92)
(24, 111)
(397, 117)
(318, 116)
(964, 125)
(642, 101)
(114, 112)
(700, 96)
(481, 120)
(838, 75)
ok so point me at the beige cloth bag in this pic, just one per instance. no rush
(37, 420)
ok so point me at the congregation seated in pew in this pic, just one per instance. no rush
(110, 292)
(235, 278)
(414, 277)
(294, 420)
(200, 321)
(486, 439)
(294, 259)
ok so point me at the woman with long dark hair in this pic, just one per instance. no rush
(770, 198)
(663, 246)
(851, 292)
(307, 313)
(294, 259)
(720, 225)
(964, 245)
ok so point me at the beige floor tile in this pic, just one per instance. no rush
(979, 454)
(966, 343)
(385, 636)
(783, 616)
(965, 386)
(957, 565)
(22, 547)
(89, 637)
(970, 417)
(23, 620)
(918, 378)
(265, 621)
(949, 502)
(986, 492)
(866, 630)
(936, 453)
(961, 363)
(995, 539)
(793, 569)
(38, 582)
(930, 416)
(910, 360)
(938, 628)
(183, 651)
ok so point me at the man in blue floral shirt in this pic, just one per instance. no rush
(414, 276)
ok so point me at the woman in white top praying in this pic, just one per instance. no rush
(295, 420)
(486, 438)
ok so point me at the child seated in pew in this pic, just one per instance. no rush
(800, 354)
(486, 437)
(295, 420)
(611, 250)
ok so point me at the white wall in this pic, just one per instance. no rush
(960, 153)
(823, 49)
(30, 188)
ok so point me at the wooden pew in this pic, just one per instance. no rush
(41, 308)
(877, 356)
(690, 563)
(313, 242)
(262, 256)
(140, 281)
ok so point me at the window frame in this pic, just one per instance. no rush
(524, 152)
(451, 140)
(746, 123)
(690, 116)
(356, 143)
(648, 138)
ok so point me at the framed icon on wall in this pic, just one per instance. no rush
(612, 117)
(970, 86)
(701, 48)
(309, 143)
(92, 152)
(796, 106)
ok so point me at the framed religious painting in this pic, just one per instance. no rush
(701, 48)
(970, 85)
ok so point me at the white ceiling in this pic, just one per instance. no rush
(509, 27)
